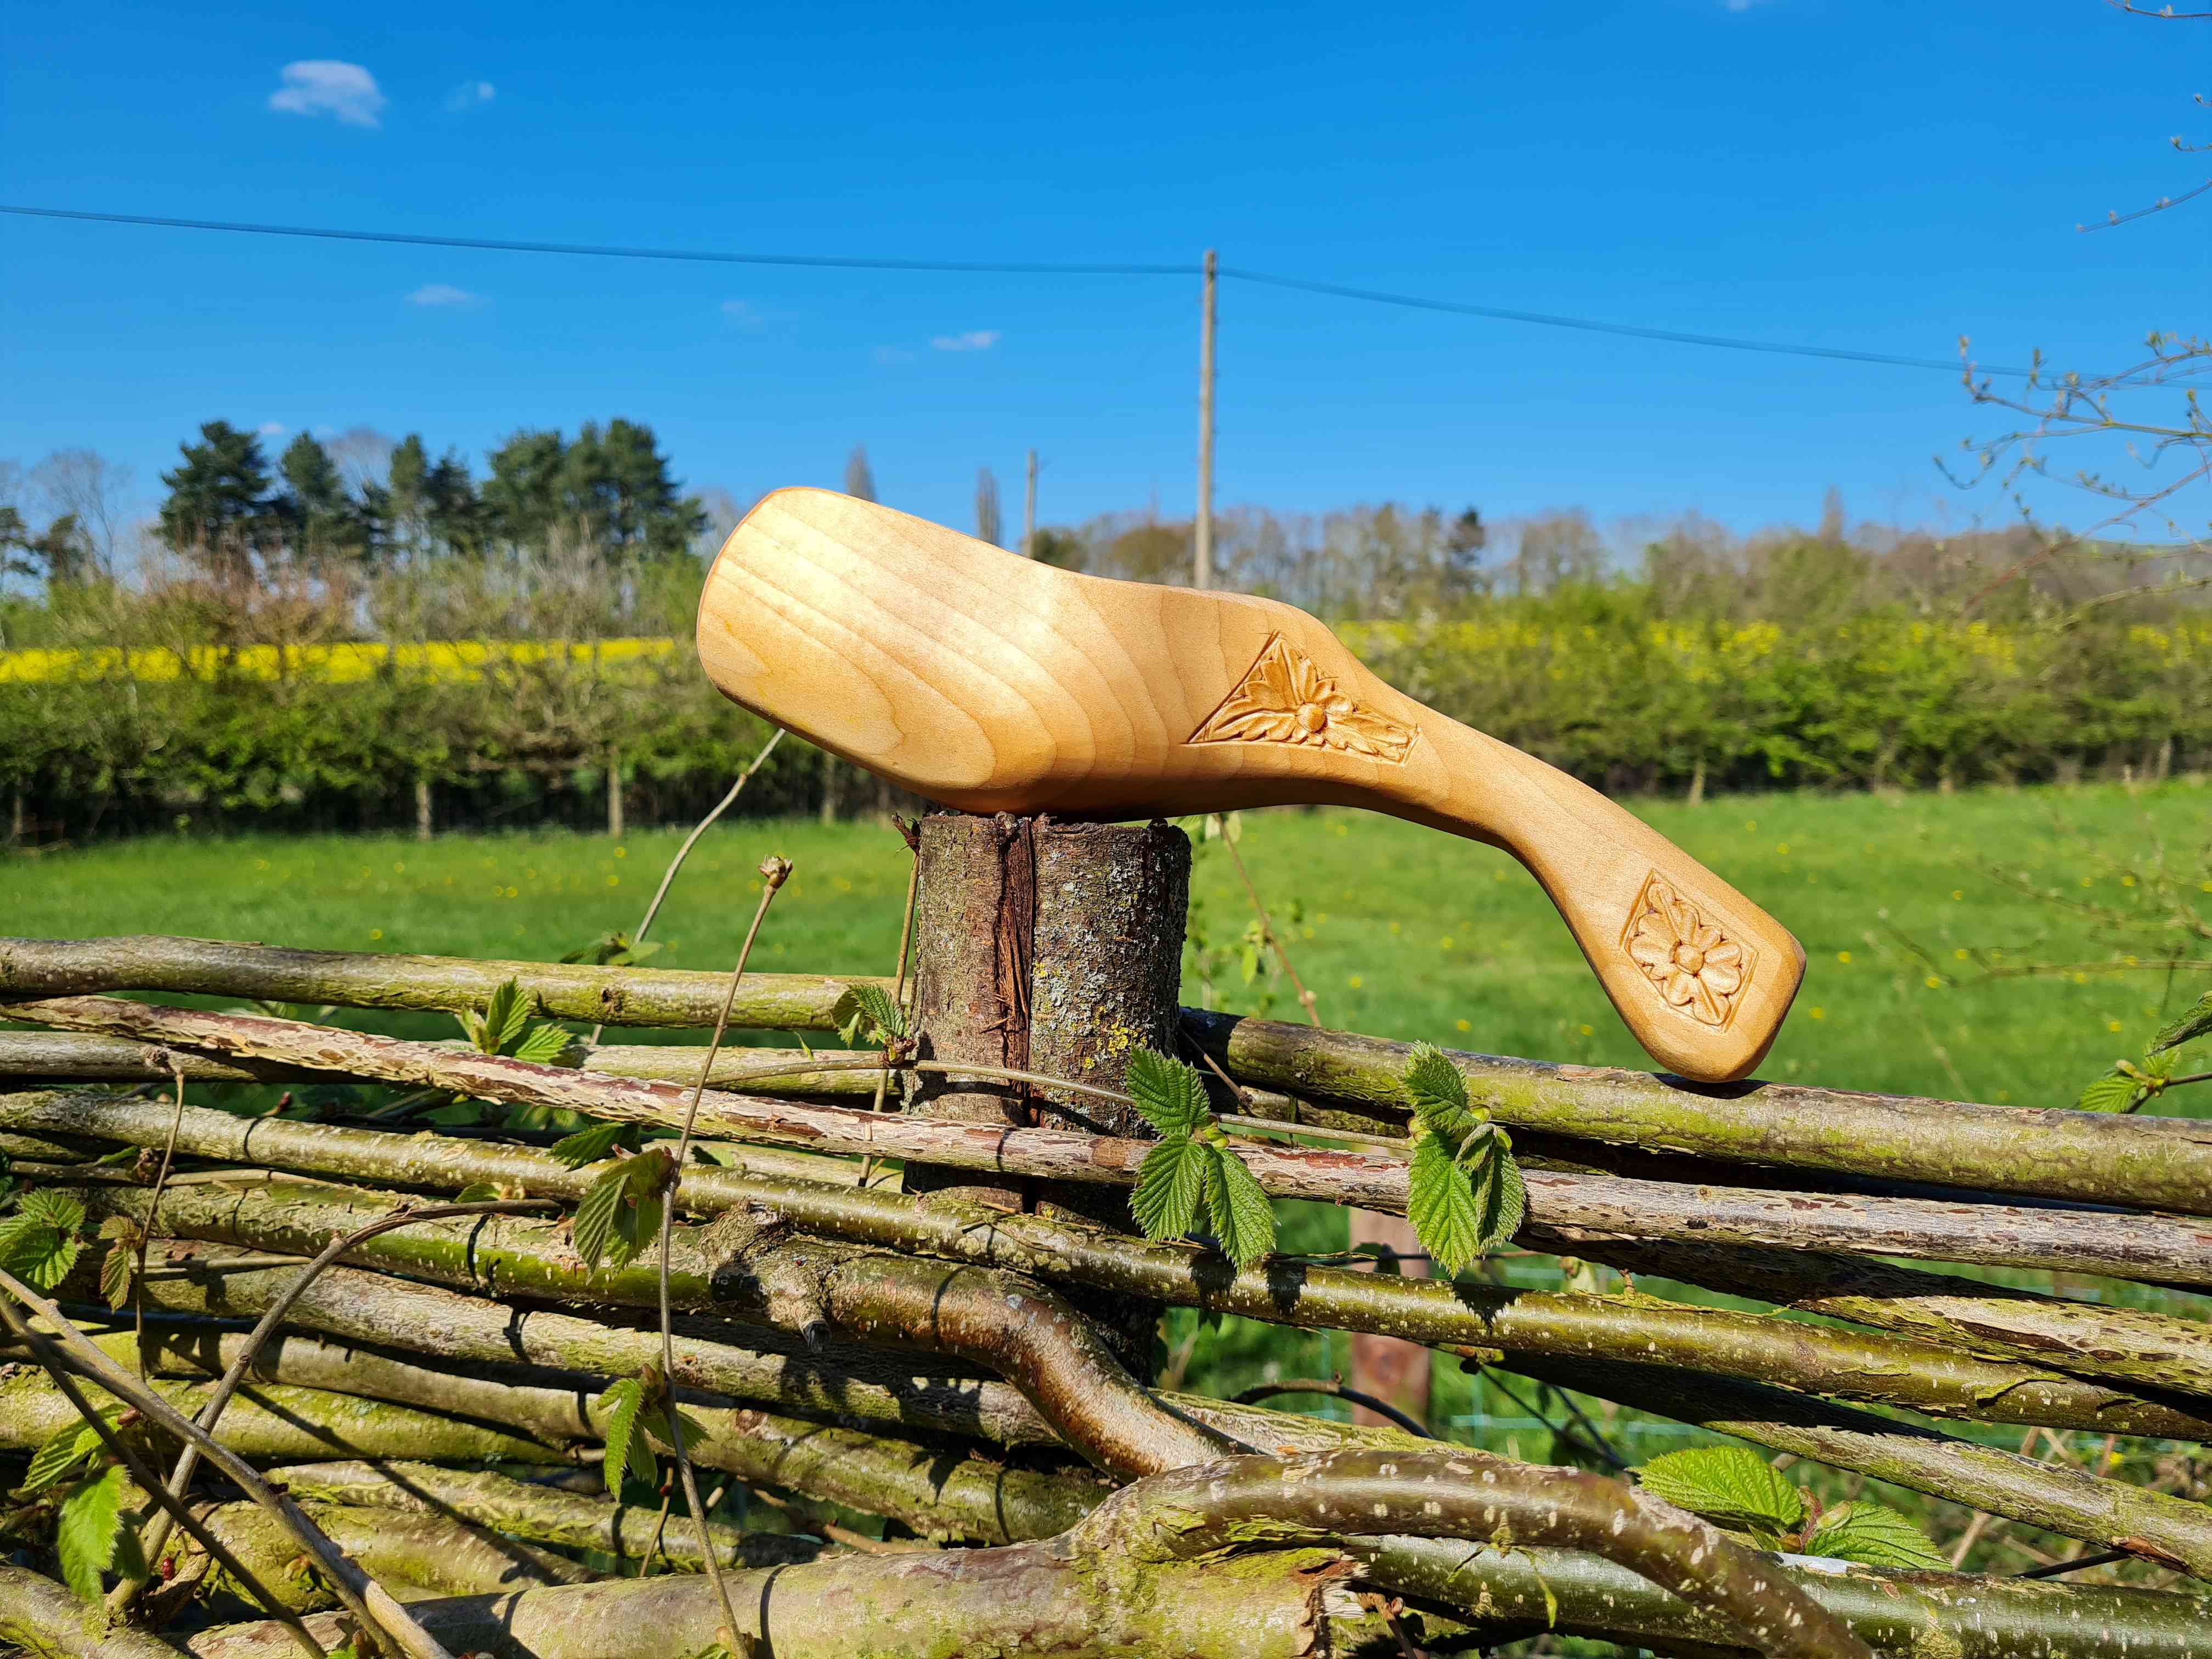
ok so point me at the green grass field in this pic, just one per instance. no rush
(1400, 932)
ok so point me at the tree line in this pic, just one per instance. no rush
(610, 486)
(1676, 657)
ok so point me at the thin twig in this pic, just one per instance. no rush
(1314, 1131)
(2102, 1559)
(1237, 1092)
(180, 1479)
(898, 973)
(1595, 1441)
(1267, 930)
(57, 1368)
(660, 1528)
(830, 1530)
(899, 976)
(668, 876)
(1254, 1394)
(775, 872)
(945, 1068)
(161, 1180)
(377, 1609)
(200, 1266)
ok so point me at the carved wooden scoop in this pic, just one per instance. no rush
(992, 683)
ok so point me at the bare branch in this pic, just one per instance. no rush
(180, 1479)
(368, 1601)
(56, 1367)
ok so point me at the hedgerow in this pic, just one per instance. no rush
(340, 733)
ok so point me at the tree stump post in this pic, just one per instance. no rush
(1054, 948)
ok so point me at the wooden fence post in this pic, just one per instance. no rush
(1054, 948)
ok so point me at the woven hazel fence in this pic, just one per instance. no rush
(820, 1348)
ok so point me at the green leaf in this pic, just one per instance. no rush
(2194, 1022)
(592, 1145)
(2115, 1091)
(692, 1430)
(654, 1433)
(74, 1443)
(1438, 1093)
(637, 1223)
(618, 1217)
(1465, 1205)
(1875, 1536)
(1501, 1196)
(129, 1558)
(544, 1045)
(1171, 1182)
(1170, 1095)
(478, 1192)
(614, 950)
(85, 1531)
(56, 1210)
(505, 1017)
(623, 1399)
(596, 1214)
(1243, 1220)
(116, 1270)
(1440, 1203)
(881, 1020)
(1729, 1485)
(38, 1242)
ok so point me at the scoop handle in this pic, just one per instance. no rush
(1701, 975)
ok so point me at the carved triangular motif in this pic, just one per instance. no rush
(1285, 698)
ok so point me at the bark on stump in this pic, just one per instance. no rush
(1054, 948)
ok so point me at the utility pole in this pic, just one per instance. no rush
(1028, 512)
(1202, 574)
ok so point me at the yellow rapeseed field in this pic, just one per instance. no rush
(351, 663)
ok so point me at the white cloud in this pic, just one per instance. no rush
(323, 86)
(976, 339)
(1741, 5)
(471, 94)
(272, 428)
(889, 356)
(443, 294)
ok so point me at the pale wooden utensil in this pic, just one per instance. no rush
(989, 683)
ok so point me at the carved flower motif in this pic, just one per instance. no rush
(1696, 966)
(1285, 698)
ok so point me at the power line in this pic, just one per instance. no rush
(597, 251)
(1588, 326)
(1023, 268)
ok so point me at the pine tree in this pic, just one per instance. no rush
(218, 513)
(611, 483)
(318, 514)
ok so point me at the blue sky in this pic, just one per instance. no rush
(1878, 176)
